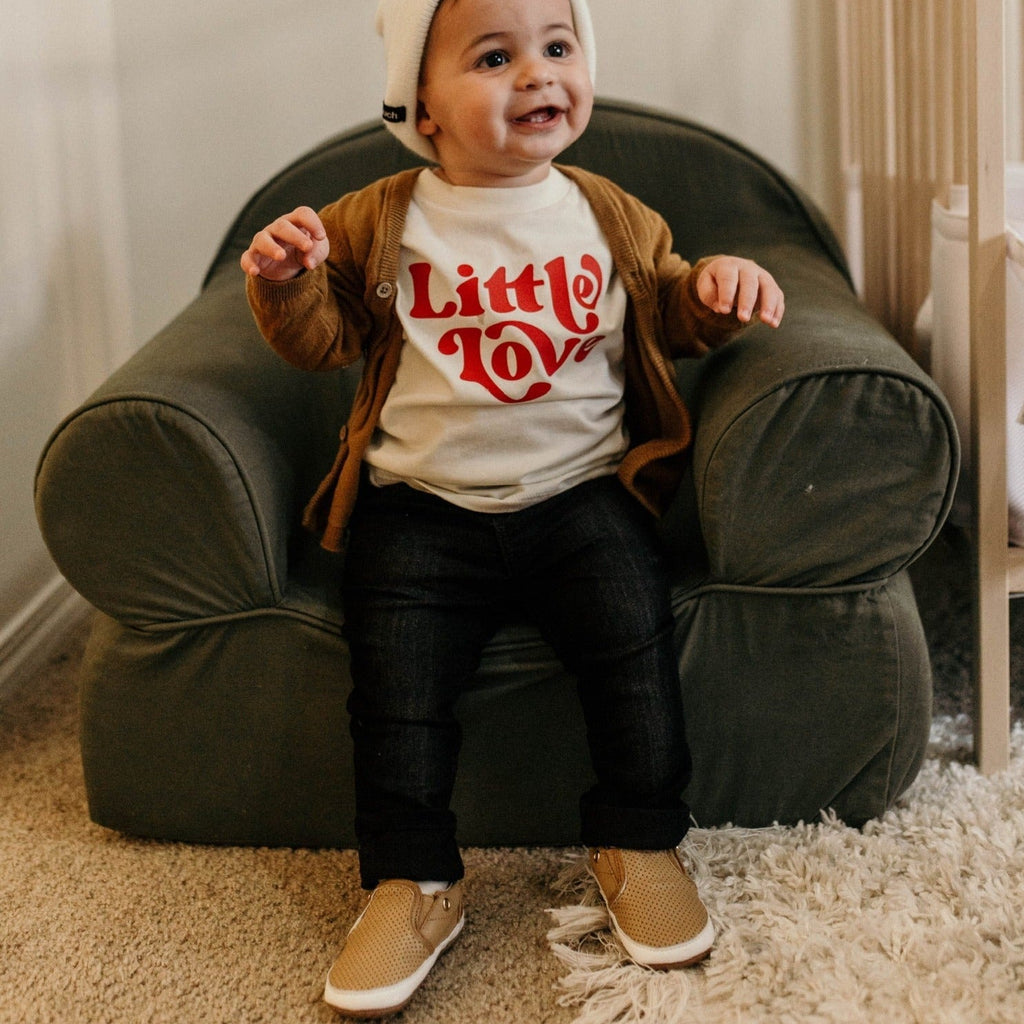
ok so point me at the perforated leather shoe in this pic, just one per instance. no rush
(656, 912)
(391, 948)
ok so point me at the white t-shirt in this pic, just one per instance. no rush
(510, 383)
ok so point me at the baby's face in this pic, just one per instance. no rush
(504, 89)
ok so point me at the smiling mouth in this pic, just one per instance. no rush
(542, 115)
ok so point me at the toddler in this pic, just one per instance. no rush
(515, 434)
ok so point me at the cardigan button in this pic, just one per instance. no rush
(385, 290)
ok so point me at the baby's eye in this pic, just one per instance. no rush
(494, 59)
(557, 50)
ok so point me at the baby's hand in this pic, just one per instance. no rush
(282, 250)
(729, 283)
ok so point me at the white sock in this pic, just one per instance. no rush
(429, 888)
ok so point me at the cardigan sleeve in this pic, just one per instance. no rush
(320, 319)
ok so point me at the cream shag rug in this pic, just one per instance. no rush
(917, 917)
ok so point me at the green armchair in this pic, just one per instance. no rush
(214, 683)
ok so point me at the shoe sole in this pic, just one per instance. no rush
(666, 958)
(388, 999)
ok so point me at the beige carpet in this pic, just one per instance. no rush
(96, 928)
(920, 917)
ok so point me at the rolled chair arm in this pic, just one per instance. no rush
(172, 493)
(823, 455)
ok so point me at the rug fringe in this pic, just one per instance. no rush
(575, 923)
(604, 986)
(607, 991)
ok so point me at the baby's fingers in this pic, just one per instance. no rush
(747, 291)
(304, 230)
(270, 245)
(253, 263)
(276, 239)
(730, 284)
(285, 247)
(307, 219)
(772, 305)
(717, 285)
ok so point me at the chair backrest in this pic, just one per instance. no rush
(715, 195)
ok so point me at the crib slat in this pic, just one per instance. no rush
(987, 235)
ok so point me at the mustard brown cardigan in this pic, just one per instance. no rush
(345, 309)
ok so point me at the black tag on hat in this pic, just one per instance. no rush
(394, 115)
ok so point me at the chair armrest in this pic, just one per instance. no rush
(823, 455)
(173, 492)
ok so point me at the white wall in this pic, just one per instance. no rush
(762, 71)
(63, 286)
(134, 131)
(217, 97)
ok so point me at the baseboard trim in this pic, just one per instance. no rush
(35, 632)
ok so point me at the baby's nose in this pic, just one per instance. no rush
(535, 74)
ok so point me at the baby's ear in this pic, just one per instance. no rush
(424, 123)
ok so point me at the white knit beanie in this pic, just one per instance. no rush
(404, 25)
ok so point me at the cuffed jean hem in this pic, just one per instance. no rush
(639, 828)
(418, 856)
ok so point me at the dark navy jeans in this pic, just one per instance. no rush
(428, 583)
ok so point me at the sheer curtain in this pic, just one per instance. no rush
(904, 137)
(64, 312)
(63, 256)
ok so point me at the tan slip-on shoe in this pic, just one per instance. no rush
(656, 912)
(392, 946)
